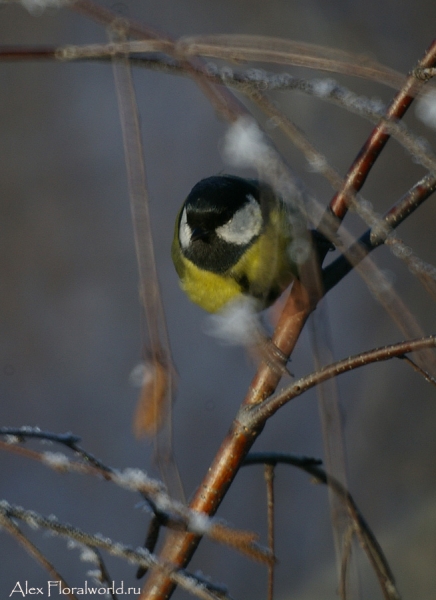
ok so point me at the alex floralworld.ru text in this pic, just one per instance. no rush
(54, 588)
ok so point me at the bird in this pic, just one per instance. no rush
(232, 240)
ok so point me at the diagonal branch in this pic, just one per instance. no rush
(137, 556)
(7, 522)
(374, 237)
(255, 416)
(170, 512)
(369, 153)
(180, 546)
(236, 445)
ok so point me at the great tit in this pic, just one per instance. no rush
(232, 239)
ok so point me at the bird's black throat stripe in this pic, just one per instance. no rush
(215, 254)
(250, 289)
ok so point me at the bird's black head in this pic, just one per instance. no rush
(220, 219)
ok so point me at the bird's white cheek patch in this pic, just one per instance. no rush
(185, 232)
(245, 224)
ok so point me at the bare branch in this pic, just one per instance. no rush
(15, 531)
(105, 577)
(361, 167)
(172, 514)
(137, 556)
(256, 415)
(66, 439)
(180, 545)
(269, 479)
(280, 51)
(345, 563)
(366, 537)
(418, 369)
(377, 235)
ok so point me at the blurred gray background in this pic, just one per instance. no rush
(70, 316)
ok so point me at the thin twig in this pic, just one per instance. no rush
(148, 280)
(366, 537)
(251, 83)
(269, 479)
(105, 576)
(66, 439)
(154, 527)
(347, 547)
(16, 532)
(255, 415)
(255, 86)
(238, 48)
(172, 513)
(179, 548)
(137, 556)
(224, 103)
(369, 153)
(153, 416)
(374, 237)
(418, 369)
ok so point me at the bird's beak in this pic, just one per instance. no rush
(199, 234)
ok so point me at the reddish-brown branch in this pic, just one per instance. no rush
(411, 201)
(370, 240)
(257, 415)
(179, 548)
(369, 153)
(27, 53)
(286, 334)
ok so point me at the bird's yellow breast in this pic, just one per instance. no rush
(209, 290)
(265, 267)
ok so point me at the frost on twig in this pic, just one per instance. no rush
(37, 7)
(176, 514)
(87, 543)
